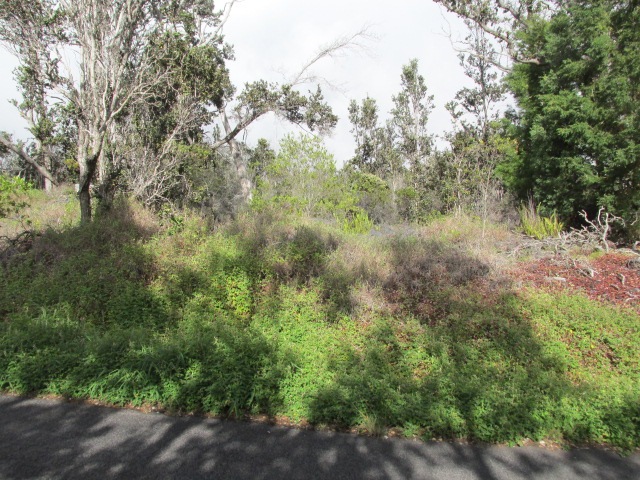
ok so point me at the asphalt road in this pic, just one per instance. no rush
(52, 439)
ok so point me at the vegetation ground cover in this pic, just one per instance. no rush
(293, 318)
(611, 278)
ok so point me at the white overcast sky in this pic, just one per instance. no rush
(272, 39)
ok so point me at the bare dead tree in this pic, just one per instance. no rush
(600, 227)
(594, 234)
(110, 36)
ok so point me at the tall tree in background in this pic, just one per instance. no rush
(477, 144)
(479, 102)
(410, 114)
(409, 118)
(369, 154)
(504, 21)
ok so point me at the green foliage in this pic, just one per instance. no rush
(356, 220)
(261, 158)
(302, 178)
(364, 192)
(538, 226)
(412, 107)
(463, 178)
(10, 190)
(281, 315)
(578, 127)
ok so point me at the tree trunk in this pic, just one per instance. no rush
(85, 206)
(240, 164)
(87, 163)
(48, 184)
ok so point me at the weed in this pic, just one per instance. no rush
(537, 226)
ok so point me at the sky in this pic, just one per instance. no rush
(273, 39)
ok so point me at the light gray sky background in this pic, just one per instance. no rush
(273, 39)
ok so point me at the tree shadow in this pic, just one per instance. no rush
(45, 439)
(444, 355)
(82, 319)
(452, 358)
(98, 270)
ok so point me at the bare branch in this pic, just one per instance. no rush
(338, 47)
(499, 18)
(226, 12)
(27, 158)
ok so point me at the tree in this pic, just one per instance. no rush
(118, 66)
(574, 69)
(121, 65)
(150, 75)
(302, 177)
(28, 30)
(478, 144)
(579, 121)
(261, 158)
(479, 103)
(504, 21)
(162, 131)
(413, 143)
(410, 114)
(259, 98)
(375, 149)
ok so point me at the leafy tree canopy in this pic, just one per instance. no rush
(579, 122)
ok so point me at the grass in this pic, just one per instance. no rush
(294, 318)
(43, 210)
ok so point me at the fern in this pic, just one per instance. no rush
(538, 226)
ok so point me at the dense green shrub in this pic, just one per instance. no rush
(10, 190)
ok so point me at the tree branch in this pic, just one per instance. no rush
(43, 171)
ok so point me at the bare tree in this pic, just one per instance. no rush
(118, 67)
(111, 38)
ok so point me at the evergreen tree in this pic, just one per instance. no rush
(579, 126)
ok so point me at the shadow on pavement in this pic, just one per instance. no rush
(51, 439)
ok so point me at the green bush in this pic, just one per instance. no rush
(356, 220)
(10, 190)
(537, 226)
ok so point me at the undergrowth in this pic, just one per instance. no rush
(538, 226)
(295, 318)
